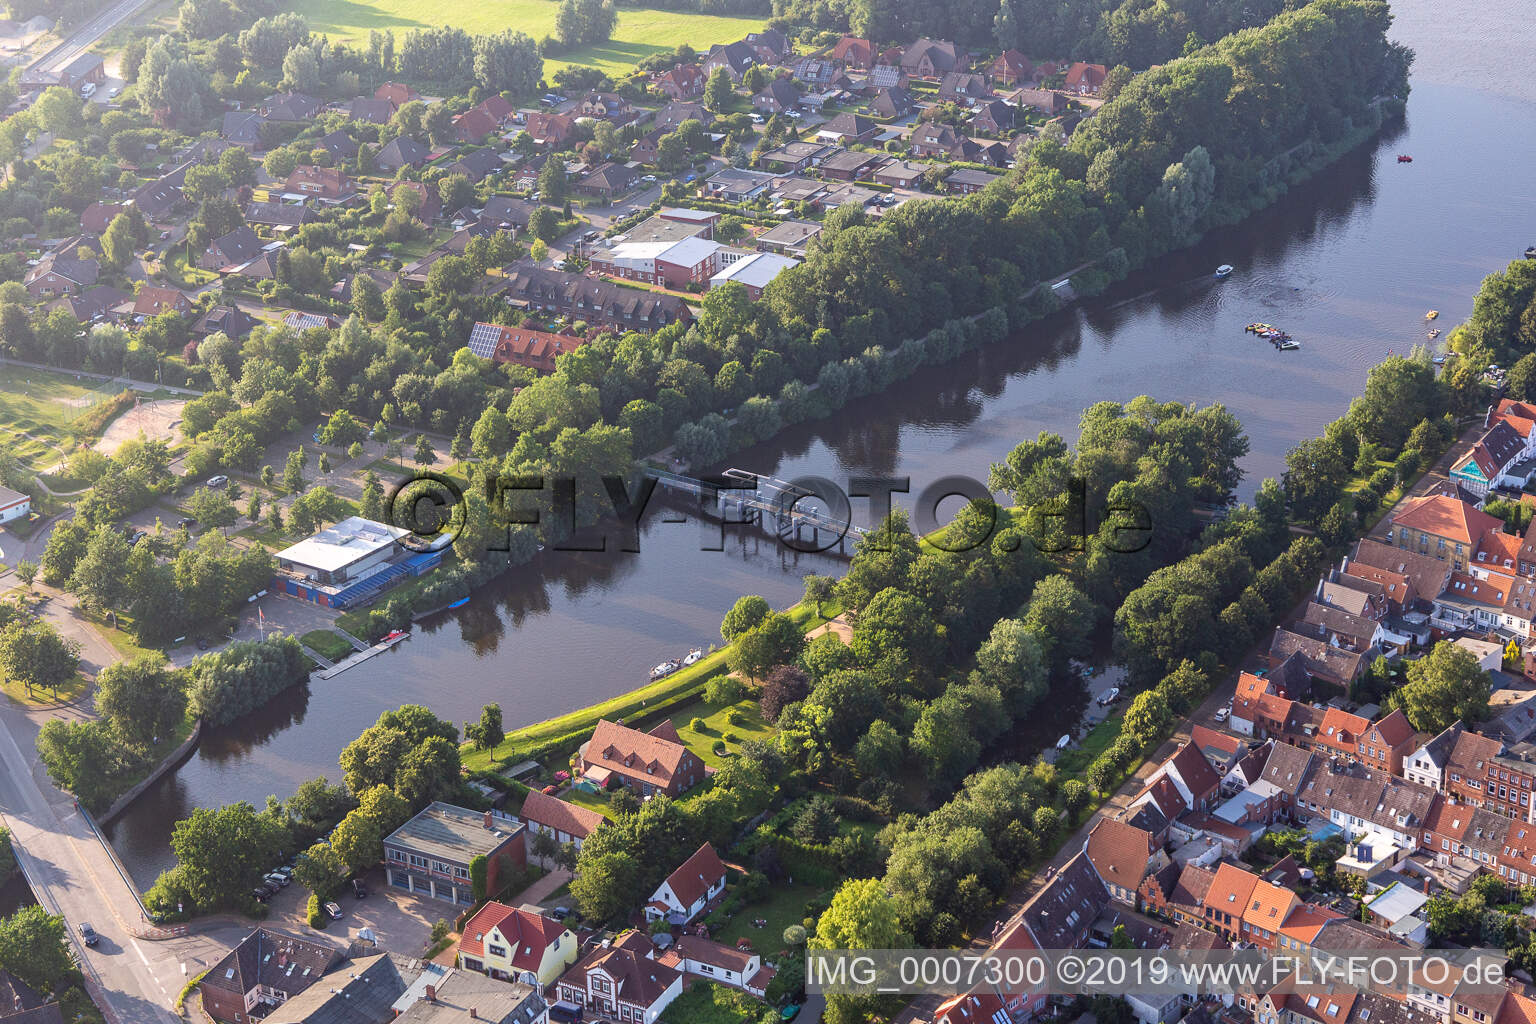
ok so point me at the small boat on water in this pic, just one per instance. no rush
(1288, 345)
(395, 636)
(1404, 158)
(1257, 328)
(666, 668)
(1434, 333)
(460, 603)
(1530, 252)
(1225, 270)
(693, 656)
(1431, 314)
(1439, 360)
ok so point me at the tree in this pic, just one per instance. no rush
(816, 823)
(58, 110)
(1012, 661)
(26, 571)
(143, 700)
(424, 455)
(81, 757)
(34, 947)
(1443, 687)
(818, 589)
(605, 885)
(747, 613)
(101, 575)
(34, 654)
(862, 915)
(212, 508)
(783, 686)
(120, 241)
(222, 853)
(552, 183)
(718, 90)
(777, 640)
(487, 733)
(293, 472)
(1062, 618)
(508, 62)
(1147, 717)
(491, 436)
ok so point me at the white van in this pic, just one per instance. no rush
(88, 90)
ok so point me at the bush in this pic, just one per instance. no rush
(723, 690)
(697, 725)
(735, 717)
(314, 914)
(731, 737)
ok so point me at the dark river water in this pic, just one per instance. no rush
(1348, 264)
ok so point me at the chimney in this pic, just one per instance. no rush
(431, 993)
(487, 819)
(474, 1014)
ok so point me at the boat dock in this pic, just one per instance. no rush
(793, 514)
(362, 655)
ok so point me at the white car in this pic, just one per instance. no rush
(1222, 714)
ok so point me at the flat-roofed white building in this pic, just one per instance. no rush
(754, 270)
(13, 505)
(353, 549)
(670, 263)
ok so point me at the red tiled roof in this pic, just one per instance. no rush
(632, 752)
(1439, 516)
(1395, 729)
(1230, 889)
(1195, 770)
(544, 809)
(527, 934)
(1119, 852)
(696, 875)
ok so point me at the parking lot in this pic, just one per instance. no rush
(399, 921)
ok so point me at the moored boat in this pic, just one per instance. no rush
(1288, 345)
(1404, 158)
(1530, 252)
(1431, 314)
(1434, 332)
(665, 669)
(1225, 270)
(693, 656)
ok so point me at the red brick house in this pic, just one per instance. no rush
(854, 52)
(550, 129)
(1011, 68)
(97, 217)
(646, 762)
(621, 980)
(61, 275)
(473, 125)
(566, 822)
(1384, 745)
(328, 184)
(931, 58)
(1085, 79)
(153, 300)
(264, 971)
(396, 93)
(683, 82)
(536, 350)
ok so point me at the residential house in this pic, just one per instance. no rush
(1428, 764)
(1085, 79)
(714, 961)
(1386, 743)
(794, 157)
(431, 854)
(647, 762)
(448, 995)
(92, 304)
(263, 971)
(1047, 101)
(96, 218)
(61, 275)
(965, 181)
(683, 82)
(851, 165)
(227, 252)
(895, 102)
(86, 68)
(291, 107)
(157, 198)
(994, 117)
(231, 321)
(753, 272)
(243, 128)
(396, 93)
(853, 52)
(1444, 528)
(676, 112)
(685, 893)
(564, 821)
(1123, 855)
(327, 184)
(619, 979)
(1010, 68)
(931, 58)
(789, 238)
(737, 185)
(153, 300)
(1324, 662)
(934, 139)
(537, 350)
(512, 944)
(1492, 460)
(608, 106)
(1196, 783)
(361, 990)
(816, 74)
(476, 166)
(1227, 900)
(551, 130)
(770, 45)
(608, 181)
(278, 216)
(341, 145)
(597, 302)
(777, 97)
(734, 57)
(473, 126)
(963, 87)
(401, 151)
(901, 174)
(846, 129)
(371, 111)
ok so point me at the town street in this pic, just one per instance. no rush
(135, 981)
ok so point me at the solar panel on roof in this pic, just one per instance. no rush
(483, 339)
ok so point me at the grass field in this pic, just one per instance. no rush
(784, 906)
(42, 404)
(640, 33)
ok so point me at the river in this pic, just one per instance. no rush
(1348, 264)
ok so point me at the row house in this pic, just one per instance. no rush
(537, 350)
(1344, 629)
(1178, 892)
(618, 979)
(1490, 603)
(1123, 856)
(601, 303)
(1336, 666)
(1442, 527)
(1409, 580)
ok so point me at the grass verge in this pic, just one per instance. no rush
(326, 643)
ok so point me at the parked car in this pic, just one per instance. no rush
(560, 913)
(1064, 742)
(260, 895)
(1222, 714)
(358, 888)
(271, 886)
(285, 870)
(186, 522)
(334, 909)
(217, 481)
(88, 934)
(114, 90)
(136, 536)
(281, 881)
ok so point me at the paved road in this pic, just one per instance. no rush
(87, 34)
(134, 980)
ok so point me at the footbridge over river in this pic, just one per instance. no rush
(799, 517)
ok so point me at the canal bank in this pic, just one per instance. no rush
(1347, 264)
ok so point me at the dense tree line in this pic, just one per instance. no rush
(244, 676)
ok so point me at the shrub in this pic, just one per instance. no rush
(315, 915)
(731, 737)
(723, 690)
(735, 717)
(697, 725)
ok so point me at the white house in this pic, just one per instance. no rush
(13, 505)
(551, 816)
(688, 890)
(704, 958)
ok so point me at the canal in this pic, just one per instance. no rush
(1348, 264)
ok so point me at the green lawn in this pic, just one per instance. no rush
(1072, 763)
(752, 727)
(640, 33)
(784, 906)
(41, 403)
(328, 644)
